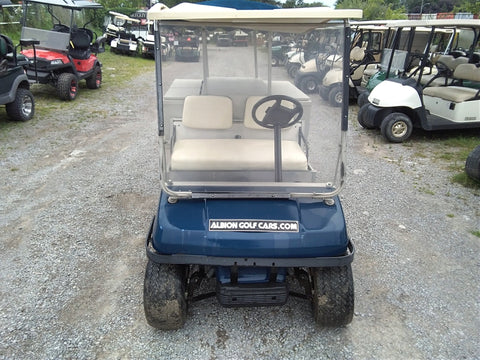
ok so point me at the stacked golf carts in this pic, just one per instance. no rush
(441, 92)
(251, 169)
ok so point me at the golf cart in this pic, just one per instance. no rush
(147, 44)
(251, 169)
(307, 49)
(365, 51)
(310, 74)
(240, 38)
(224, 39)
(403, 51)
(397, 105)
(279, 53)
(14, 86)
(123, 40)
(67, 49)
(186, 47)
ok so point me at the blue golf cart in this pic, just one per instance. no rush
(251, 170)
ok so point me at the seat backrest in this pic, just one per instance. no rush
(458, 61)
(467, 72)
(207, 112)
(81, 39)
(448, 60)
(357, 54)
(248, 118)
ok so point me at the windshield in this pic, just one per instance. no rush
(219, 137)
(52, 25)
(49, 17)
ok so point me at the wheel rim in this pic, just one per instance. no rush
(339, 97)
(27, 106)
(73, 89)
(399, 129)
(98, 79)
(311, 85)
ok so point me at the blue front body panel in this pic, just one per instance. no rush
(182, 228)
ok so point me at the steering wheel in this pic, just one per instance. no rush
(278, 115)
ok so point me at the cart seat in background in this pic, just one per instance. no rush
(80, 44)
(458, 94)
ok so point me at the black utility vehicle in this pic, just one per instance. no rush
(14, 87)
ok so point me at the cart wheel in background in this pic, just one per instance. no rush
(363, 98)
(95, 80)
(396, 127)
(361, 117)
(23, 107)
(472, 165)
(335, 96)
(67, 86)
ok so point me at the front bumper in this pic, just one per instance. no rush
(187, 259)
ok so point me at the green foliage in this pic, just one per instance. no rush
(375, 9)
(472, 6)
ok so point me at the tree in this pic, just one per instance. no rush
(472, 6)
(375, 9)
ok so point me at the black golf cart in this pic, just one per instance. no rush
(14, 86)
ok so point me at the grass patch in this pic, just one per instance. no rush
(119, 69)
(476, 233)
(453, 151)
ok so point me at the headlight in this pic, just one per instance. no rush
(56, 62)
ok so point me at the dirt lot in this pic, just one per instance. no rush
(79, 188)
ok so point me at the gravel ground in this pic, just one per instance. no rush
(78, 191)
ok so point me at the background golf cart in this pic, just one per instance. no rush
(66, 52)
(120, 34)
(186, 47)
(251, 168)
(311, 72)
(402, 53)
(14, 86)
(367, 45)
(446, 101)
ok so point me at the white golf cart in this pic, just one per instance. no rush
(369, 37)
(120, 35)
(251, 169)
(396, 106)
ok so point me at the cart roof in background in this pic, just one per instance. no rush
(436, 23)
(123, 16)
(276, 19)
(5, 2)
(240, 4)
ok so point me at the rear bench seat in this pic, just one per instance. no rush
(442, 79)
(457, 94)
(212, 145)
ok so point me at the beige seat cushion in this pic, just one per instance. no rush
(207, 112)
(451, 93)
(235, 154)
(457, 93)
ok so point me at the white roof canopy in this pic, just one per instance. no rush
(286, 20)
